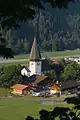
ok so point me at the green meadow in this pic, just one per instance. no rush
(15, 63)
(57, 54)
(50, 54)
(20, 109)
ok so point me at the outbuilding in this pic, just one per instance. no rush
(19, 89)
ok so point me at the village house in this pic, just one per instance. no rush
(19, 89)
(54, 89)
(72, 86)
(40, 81)
(72, 59)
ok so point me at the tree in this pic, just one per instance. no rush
(71, 72)
(26, 45)
(54, 45)
(51, 73)
(44, 44)
(11, 12)
(18, 45)
(11, 75)
(5, 50)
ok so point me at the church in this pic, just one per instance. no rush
(37, 65)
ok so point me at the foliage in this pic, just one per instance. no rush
(48, 37)
(61, 27)
(43, 25)
(66, 92)
(11, 75)
(12, 13)
(54, 45)
(51, 73)
(71, 72)
(5, 51)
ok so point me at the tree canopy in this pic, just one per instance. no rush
(11, 12)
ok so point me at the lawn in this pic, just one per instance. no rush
(20, 109)
(45, 54)
(15, 63)
(50, 54)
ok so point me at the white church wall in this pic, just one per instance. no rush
(35, 67)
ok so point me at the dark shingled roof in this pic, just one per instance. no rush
(35, 53)
(70, 84)
(45, 65)
(39, 78)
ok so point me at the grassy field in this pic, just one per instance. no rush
(45, 54)
(4, 92)
(50, 54)
(15, 63)
(20, 109)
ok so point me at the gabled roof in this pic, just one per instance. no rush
(19, 87)
(55, 87)
(70, 84)
(39, 78)
(45, 65)
(35, 53)
(27, 69)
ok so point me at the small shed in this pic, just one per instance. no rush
(19, 89)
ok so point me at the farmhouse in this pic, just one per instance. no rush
(72, 86)
(19, 89)
(54, 89)
(40, 81)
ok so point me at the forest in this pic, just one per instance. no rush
(55, 30)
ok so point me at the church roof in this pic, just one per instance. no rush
(45, 65)
(35, 53)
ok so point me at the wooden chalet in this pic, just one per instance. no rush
(71, 85)
(20, 89)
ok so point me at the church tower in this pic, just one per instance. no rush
(35, 59)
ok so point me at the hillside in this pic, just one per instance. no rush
(56, 30)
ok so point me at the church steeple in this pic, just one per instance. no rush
(35, 53)
(35, 59)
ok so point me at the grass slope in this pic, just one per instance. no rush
(50, 54)
(20, 109)
(15, 63)
(45, 54)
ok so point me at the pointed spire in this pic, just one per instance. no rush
(35, 53)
